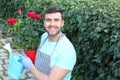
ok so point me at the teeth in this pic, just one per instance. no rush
(52, 28)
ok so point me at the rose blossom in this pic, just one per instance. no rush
(11, 21)
(38, 16)
(31, 14)
(19, 11)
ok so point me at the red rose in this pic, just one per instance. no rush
(19, 11)
(31, 14)
(11, 21)
(38, 16)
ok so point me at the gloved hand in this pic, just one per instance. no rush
(26, 61)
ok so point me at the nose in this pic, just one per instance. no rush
(52, 23)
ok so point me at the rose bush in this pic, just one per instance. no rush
(25, 30)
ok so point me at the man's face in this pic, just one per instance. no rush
(53, 23)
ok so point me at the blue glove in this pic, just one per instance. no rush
(26, 61)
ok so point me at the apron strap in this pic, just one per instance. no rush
(61, 35)
(43, 42)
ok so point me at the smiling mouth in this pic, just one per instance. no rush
(52, 27)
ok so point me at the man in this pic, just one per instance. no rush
(56, 55)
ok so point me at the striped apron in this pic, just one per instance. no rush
(42, 62)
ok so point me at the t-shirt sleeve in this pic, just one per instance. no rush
(66, 59)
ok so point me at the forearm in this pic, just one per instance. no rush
(37, 74)
(57, 73)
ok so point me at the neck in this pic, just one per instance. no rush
(55, 37)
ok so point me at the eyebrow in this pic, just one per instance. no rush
(50, 19)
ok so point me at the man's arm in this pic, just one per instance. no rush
(56, 73)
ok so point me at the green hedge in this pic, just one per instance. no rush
(93, 26)
(9, 7)
(94, 29)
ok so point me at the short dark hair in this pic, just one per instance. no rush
(53, 9)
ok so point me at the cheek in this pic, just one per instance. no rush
(45, 24)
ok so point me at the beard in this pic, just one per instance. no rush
(52, 35)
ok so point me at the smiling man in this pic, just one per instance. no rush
(56, 55)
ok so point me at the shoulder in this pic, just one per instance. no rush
(66, 43)
(66, 47)
(44, 35)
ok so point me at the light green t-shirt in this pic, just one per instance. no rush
(63, 56)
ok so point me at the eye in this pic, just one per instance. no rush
(47, 20)
(56, 20)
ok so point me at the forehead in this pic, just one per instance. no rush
(53, 15)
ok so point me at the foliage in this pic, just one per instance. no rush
(25, 30)
(93, 27)
(8, 7)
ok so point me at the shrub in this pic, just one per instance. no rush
(94, 29)
(25, 30)
(8, 7)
